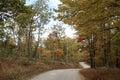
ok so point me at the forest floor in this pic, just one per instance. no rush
(101, 74)
(21, 69)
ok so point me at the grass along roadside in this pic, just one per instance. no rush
(101, 74)
(21, 69)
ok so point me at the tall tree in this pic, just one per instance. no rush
(91, 18)
(42, 15)
(10, 10)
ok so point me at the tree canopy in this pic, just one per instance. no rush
(97, 20)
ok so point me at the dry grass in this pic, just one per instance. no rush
(19, 69)
(101, 74)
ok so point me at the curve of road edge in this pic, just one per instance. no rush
(62, 74)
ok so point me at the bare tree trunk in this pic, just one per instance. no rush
(37, 45)
(92, 53)
(117, 63)
(108, 46)
(19, 46)
(67, 53)
(104, 46)
(30, 43)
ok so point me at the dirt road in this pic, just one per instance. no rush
(62, 74)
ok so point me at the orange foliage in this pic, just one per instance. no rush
(59, 52)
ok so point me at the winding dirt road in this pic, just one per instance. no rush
(62, 74)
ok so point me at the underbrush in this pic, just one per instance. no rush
(101, 74)
(21, 69)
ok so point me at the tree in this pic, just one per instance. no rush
(11, 8)
(51, 45)
(10, 11)
(59, 33)
(115, 45)
(42, 13)
(95, 19)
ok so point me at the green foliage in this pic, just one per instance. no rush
(98, 20)
(11, 8)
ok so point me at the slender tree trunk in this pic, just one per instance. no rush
(36, 50)
(67, 52)
(37, 45)
(104, 41)
(19, 46)
(30, 40)
(117, 59)
(108, 46)
(30, 43)
(92, 53)
(92, 58)
(105, 54)
(117, 62)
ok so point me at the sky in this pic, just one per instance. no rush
(69, 32)
(52, 3)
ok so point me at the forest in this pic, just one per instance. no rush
(97, 41)
(97, 24)
(21, 30)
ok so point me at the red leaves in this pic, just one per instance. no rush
(81, 38)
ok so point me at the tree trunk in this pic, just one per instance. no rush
(117, 62)
(117, 59)
(92, 53)
(19, 46)
(30, 43)
(105, 39)
(37, 45)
